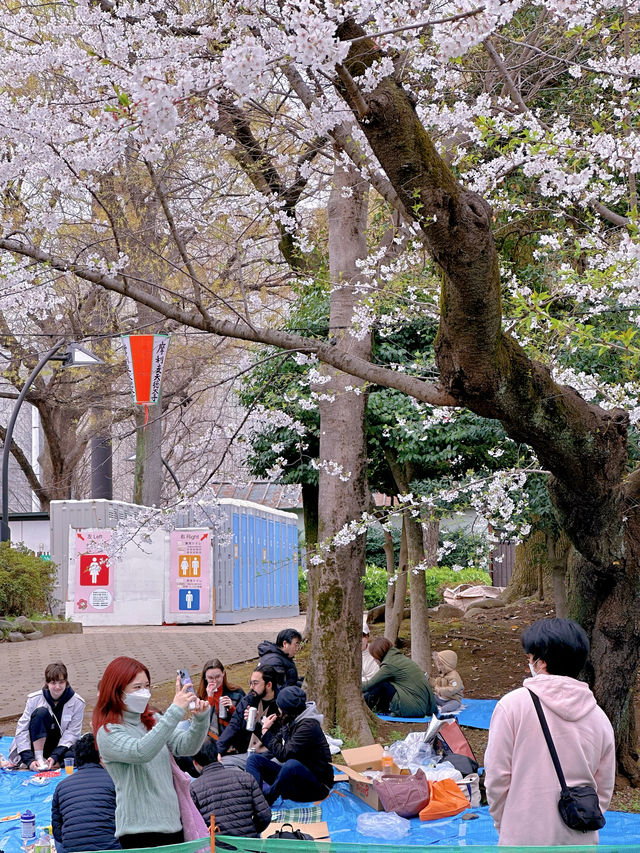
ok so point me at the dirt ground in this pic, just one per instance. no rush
(490, 660)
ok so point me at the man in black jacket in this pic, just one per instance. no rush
(234, 798)
(261, 695)
(83, 810)
(299, 743)
(280, 656)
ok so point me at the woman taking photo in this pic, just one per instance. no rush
(222, 698)
(135, 747)
(399, 688)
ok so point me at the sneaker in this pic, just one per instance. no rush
(42, 765)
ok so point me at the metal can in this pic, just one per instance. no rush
(222, 711)
(251, 719)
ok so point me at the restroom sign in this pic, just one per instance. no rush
(190, 572)
(94, 570)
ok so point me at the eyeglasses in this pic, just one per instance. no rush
(255, 683)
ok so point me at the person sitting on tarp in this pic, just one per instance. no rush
(399, 688)
(369, 665)
(447, 684)
(235, 741)
(280, 655)
(83, 810)
(233, 797)
(50, 724)
(295, 738)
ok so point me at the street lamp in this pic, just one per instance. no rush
(75, 356)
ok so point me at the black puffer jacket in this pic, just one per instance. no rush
(304, 740)
(83, 811)
(271, 655)
(236, 735)
(234, 797)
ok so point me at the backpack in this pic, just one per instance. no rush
(291, 833)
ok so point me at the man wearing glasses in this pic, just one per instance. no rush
(236, 741)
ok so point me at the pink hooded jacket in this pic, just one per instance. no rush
(522, 785)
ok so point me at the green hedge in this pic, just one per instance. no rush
(26, 581)
(437, 579)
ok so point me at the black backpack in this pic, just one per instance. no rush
(291, 833)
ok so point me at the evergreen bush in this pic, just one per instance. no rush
(26, 581)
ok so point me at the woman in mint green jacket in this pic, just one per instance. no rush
(134, 745)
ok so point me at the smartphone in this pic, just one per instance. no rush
(185, 681)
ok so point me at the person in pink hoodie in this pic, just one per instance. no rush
(522, 786)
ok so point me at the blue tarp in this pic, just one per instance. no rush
(475, 713)
(340, 810)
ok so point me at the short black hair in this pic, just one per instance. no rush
(269, 675)
(287, 635)
(86, 752)
(561, 643)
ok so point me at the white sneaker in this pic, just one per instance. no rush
(42, 765)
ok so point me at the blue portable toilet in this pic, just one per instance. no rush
(255, 563)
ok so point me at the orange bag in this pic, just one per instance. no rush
(446, 800)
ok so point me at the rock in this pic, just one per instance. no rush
(487, 604)
(447, 611)
(34, 635)
(5, 624)
(48, 627)
(16, 637)
(23, 625)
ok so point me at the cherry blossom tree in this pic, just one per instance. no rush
(489, 132)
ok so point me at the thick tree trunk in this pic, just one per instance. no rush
(396, 590)
(335, 660)
(310, 512)
(147, 488)
(420, 643)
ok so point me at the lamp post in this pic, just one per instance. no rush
(75, 356)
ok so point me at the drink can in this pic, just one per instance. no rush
(222, 711)
(251, 719)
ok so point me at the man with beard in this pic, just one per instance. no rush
(295, 738)
(261, 695)
(50, 724)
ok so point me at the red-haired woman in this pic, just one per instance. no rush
(216, 690)
(134, 745)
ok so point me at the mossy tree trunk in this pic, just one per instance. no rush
(310, 513)
(334, 673)
(582, 445)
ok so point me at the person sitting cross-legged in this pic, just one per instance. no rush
(83, 810)
(233, 797)
(298, 742)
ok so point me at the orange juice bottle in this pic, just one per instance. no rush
(387, 762)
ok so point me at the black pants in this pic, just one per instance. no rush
(150, 839)
(379, 697)
(43, 725)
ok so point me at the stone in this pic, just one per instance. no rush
(34, 635)
(447, 611)
(5, 624)
(16, 637)
(23, 625)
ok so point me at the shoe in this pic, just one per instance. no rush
(42, 765)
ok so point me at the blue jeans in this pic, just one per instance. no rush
(291, 780)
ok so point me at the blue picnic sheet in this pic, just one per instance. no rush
(475, 713)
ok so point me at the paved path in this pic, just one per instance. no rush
(162, 648)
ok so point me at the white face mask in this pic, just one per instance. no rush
(532, 669)
(136, 701)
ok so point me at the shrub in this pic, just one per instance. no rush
(375, 586)
(303, 589)
(441, 577)
(26, 581)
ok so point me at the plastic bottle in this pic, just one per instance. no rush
(386, 761)
(28, 825)
(43, 844)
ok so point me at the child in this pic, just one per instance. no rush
(447, 685)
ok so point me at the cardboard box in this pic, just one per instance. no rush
(357, 761)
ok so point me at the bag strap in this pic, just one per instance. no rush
(549, 740)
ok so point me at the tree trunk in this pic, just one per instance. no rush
(557, 556)
(336, 632)
(396, 590)
(420, 642)
(524, 580)
(310, 512)
(147, 488)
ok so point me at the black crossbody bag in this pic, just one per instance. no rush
(578, 805)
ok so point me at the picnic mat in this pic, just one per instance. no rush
(340, 811)
(475, 713)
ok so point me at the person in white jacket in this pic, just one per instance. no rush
(522, 786)
(50, 724)
(369, 664)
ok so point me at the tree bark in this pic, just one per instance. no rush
(396, 590)
(420, 642)
(310, 512)
(335, 660)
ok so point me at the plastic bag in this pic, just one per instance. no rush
(413, 751)
(443, 770)
(386, 825)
